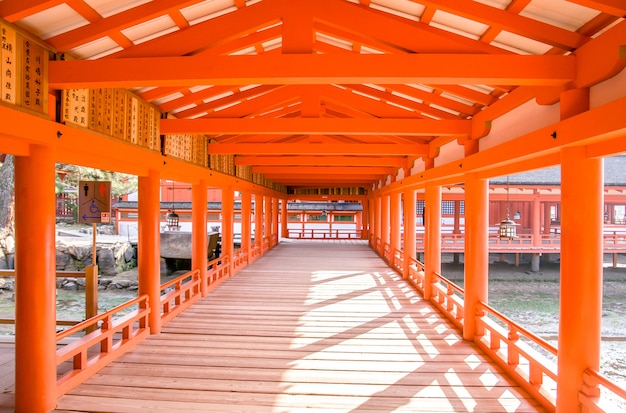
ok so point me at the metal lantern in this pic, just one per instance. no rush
(172, 221)
(507, 229)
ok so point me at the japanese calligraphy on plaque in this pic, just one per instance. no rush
(8, 65)
(34, 90)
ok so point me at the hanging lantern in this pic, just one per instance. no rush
(507, 227)
(517, 215)
(172, 221)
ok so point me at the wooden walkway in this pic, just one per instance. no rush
(311, 326)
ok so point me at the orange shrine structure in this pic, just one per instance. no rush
(353, 100)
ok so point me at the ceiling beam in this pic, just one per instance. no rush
(322, 171)
(278, 69)
(317, 149)
(398, 162)
(318, 126)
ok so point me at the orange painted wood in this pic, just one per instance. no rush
(338, 332)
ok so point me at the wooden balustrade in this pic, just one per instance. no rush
(81, 354)
(500, 338)
(313, 233)
(178, 294)
(416, 275)
(218, 271)
(398, 260)
(240, 260)
(448, 298)
(589, 395)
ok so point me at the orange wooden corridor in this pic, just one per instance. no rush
(315, 325)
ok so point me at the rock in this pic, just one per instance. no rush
(106, 262)
(3, 261)
(70, 285)
(105, 282)
(62, 260)
(123, 283)
(9, 244)
(129, 253)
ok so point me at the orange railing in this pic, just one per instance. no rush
(241, 259)
(397, 261)
(448, 297)
(112, 334)
(499, 337)
(325, 233)
(613, 241)
(594, 383)
(219, 270)
(416, 275)
(178, 294)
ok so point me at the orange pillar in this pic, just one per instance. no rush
(267, 226)
(410, 199)
(35, 295)
(378, 203)
(228, 201)
(476, 250)
(149, 245)
(275, 215)
(536, 223)
(366, 219)
(258, 220)
(384, 224)
(199, 244)
(432, 251)
(457, 217)
(395, 222)
(284, 219)
(246, 212)
(580, 312)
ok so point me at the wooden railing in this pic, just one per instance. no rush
(112, 334)
(240, 260)
(589, 396)
(178, 294)
(387, 254)
(59, 274)
(416, 275)
(324, 233)
(499, 337)
(219, 270)
(613, 240)
(449, 298)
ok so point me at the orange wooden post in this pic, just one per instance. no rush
(35, 295)
(284, 219)
(366, 219)
(582, 201)
(432, 249)
(228, 201)
(149, 245)
(410, 199)
(258, 220)
(267, 218)
(395, 217)
(275, 215)
(536, 219)
(457, 217)
(378, 222)
(199, 244)
(476, 250)
(246, 224)
(384, 225)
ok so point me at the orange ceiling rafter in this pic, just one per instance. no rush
(317, 149)
(322, 126)
(314, 69)
(511, 22)
(346, 160)
(322, 170)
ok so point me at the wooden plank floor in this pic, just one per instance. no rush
(315, 326)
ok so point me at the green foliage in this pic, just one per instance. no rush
(121, 184)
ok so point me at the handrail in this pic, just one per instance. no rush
(532, 373)
(219, 270)
(319, 233)
(59, 274)
(184, 293)
(444, 298)
(588, 396)
(111, 337)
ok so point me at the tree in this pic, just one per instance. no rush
(7, 196)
